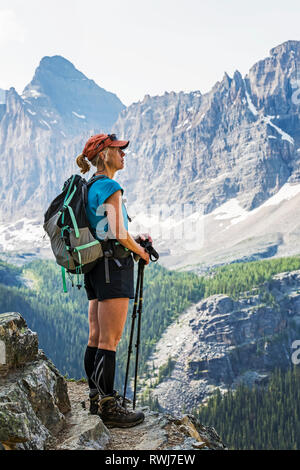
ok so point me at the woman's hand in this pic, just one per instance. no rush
(145, 256)
(143, 253)
(143, 236)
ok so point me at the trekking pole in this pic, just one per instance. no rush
(131, 334)
(137, 345)
(138, 292)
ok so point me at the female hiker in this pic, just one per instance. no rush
(109, 285)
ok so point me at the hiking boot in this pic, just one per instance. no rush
(120, 398)
(94, 403)
(115, 415)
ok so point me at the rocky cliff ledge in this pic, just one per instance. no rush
(40, 410)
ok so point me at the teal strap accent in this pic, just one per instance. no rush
(78, 268)
(63, 273)
(70, 276)
(66, 197)
(79, 257)
(69, 189)
(65, 227)
(65, 252)
(66, 205)
(118, 243)
(68, 200)
(74, 221)
(87, 245)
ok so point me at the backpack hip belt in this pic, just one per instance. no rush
(114, 250)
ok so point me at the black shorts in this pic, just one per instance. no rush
(121, 280)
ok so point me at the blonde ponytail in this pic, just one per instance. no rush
(83, 164)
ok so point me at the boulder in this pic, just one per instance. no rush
(18, 344)
(33, 394)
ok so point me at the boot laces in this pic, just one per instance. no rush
(114, 406)
(119, 408)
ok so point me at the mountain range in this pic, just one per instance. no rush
(230, 157)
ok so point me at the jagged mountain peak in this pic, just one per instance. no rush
(51, 70)
(58, 64)
(287, 46)
(64, 97)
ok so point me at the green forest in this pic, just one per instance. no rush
(61, 321)
(260, 418)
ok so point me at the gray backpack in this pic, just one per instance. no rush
(73, 241)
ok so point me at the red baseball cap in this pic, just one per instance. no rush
(98, 142)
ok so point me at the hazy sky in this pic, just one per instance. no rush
(138, 47)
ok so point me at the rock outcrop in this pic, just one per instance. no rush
(221, 342)
(39, 410)
(33, 394)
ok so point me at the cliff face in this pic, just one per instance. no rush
(231, 155)
(239, 140)
(221, 342)
(38, 410)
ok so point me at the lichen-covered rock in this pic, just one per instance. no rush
(83, 431)
(13, 423)
(20, 427)
(33, 394)
(206, 436)
(18, 344)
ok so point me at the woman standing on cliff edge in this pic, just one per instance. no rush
(109, 285)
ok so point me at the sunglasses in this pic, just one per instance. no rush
(109, 136)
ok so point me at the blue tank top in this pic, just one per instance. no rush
(97, 195)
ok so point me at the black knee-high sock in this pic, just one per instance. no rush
(89, 361)
(104, 371)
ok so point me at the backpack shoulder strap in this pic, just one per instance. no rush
(95, 178)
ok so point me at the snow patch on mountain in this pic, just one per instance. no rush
(45, 123)
(267, 119)
(32, 93)
(251, 105)
(80, 116)
(233, 210)
(229, 210)
(287, 192)
(22, 234)
(283, 134)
